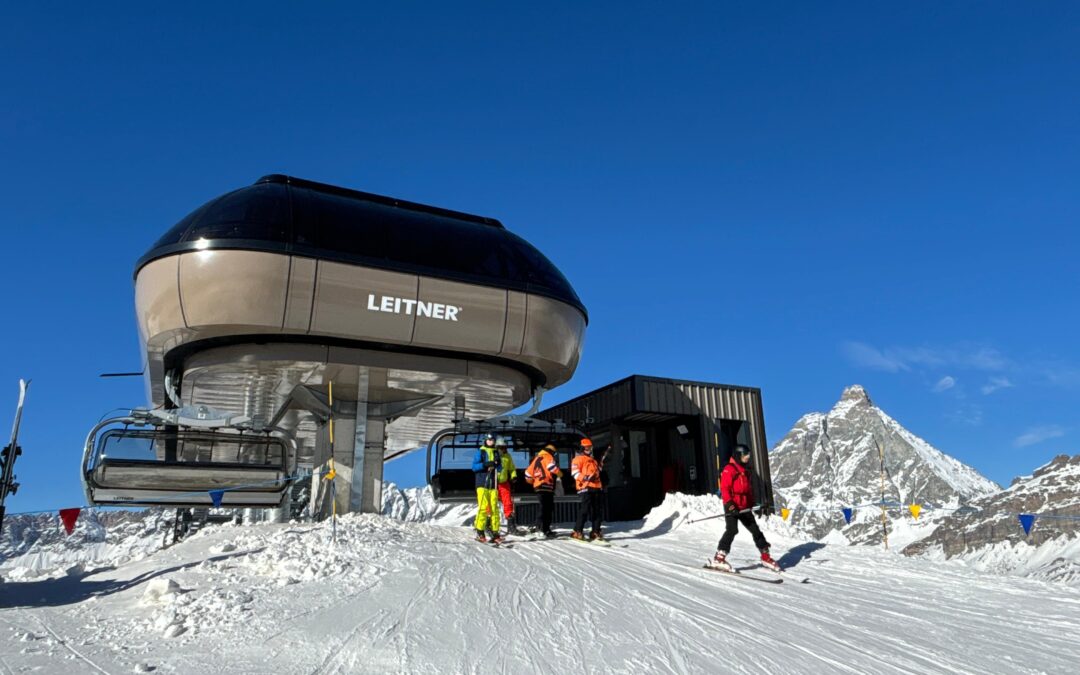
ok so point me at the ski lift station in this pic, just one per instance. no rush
(278, 307)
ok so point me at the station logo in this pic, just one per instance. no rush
(408, 306)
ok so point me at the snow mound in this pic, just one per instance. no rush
(680, 510)
(418, 505)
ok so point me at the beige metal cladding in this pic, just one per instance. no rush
(231, 293)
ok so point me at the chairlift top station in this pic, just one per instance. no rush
(255, 302)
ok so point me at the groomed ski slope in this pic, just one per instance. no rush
(392, 596)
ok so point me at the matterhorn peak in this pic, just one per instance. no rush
(856, 394)
(837, 458)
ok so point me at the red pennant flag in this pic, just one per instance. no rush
(68, 518)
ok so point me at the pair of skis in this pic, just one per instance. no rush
(10, 452)
(773, 576)
(599, 542)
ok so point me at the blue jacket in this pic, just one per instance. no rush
(483, 455)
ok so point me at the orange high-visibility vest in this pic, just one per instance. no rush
(586, 472)
(542, 471)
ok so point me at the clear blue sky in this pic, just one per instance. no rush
(796, 197)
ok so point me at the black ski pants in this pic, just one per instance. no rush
(732, 528)
(590, 508)
(547, 509)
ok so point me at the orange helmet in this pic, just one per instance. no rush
(586, 445)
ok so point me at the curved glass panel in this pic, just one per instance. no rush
(541, 272)
(259, 212)
(334, 224)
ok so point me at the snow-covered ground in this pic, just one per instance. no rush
(411, 596)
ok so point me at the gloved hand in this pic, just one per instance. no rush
(490, 465)
(730, 508)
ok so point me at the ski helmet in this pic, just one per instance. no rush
(500, 442)
(742, 452)
(489, 439)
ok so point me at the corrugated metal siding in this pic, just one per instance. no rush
(603, 405)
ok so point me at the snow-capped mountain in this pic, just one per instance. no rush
(989, 536)
(830, 460)
(36, 545)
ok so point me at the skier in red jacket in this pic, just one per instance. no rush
(737, 493)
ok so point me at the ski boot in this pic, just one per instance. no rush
(596, 536)
(550, 534)
(767, 561)
(580, 536)
(497, 539)
(719, 562)
(481, 537)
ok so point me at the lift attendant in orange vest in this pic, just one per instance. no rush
(586, 472)
(542, 473)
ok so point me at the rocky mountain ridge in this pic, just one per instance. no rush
(831, 460)
(989, 536)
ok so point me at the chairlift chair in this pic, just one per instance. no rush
(451, 451)
(175, 458)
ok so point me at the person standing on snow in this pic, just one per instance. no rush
(542, 473)
(737, 493)
(487, 495)
(586, 472)
(505, 473)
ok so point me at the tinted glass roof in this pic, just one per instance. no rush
(299, 217)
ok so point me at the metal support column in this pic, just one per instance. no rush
(365, 490)
(360, 432)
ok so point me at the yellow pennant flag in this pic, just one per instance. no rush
(915, 509)
(784, 513)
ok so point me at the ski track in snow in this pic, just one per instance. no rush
(419, 597)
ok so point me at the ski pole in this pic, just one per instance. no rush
(719, 515)
(698, 520)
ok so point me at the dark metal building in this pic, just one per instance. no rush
(668, 436)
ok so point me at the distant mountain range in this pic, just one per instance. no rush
(990, 536)
(830, 460)
(36, 545)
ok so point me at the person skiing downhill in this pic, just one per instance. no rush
(586, 472)
(487, 495)
(505, 473)
(542, 473)
(737, 494)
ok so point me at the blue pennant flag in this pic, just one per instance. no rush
(216, 495)
(1026, 521)
(847, 514)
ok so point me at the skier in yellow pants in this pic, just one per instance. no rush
(487, 493)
